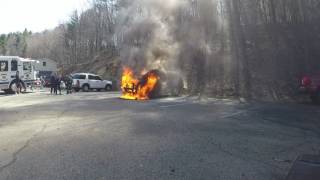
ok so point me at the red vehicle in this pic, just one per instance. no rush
(37, 83)
(311, 85)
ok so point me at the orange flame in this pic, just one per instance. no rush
(134, 89)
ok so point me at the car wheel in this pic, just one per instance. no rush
(108, 87)
(85, 88)
(76, 89)
(98, 90)
(316, 98)
(12, 88)
(7, 91)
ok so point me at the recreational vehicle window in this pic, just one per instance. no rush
(14, 65)
(27, 66)
(3, 66)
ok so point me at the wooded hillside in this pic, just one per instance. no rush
(249, 48)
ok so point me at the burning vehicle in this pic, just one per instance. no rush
(152, 84)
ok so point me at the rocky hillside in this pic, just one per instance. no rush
(106, 64)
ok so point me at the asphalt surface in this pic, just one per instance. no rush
(97, 136)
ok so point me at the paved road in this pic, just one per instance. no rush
(89, 136)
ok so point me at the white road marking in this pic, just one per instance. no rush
(240, 112)
(174, 105)
(233, 114)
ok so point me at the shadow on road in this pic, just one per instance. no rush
(2, 94)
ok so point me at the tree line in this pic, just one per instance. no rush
(248, 48)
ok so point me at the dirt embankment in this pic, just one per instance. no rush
(106, 64)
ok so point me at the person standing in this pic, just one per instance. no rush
(69, 82)
(18, 83)
(42, 82)
(53, 84)
(58, 84)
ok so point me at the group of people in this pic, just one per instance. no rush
(55, 84)
(56, 81)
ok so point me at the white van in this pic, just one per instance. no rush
(9, 65)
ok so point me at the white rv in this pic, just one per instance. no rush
(9, 65)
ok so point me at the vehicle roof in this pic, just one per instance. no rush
(16, 58)
(85, 74)
(27, 60)
(9, 57)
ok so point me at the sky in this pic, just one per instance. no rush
(36, 15)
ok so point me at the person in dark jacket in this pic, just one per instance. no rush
(17, 82)
(53, 84)
(58, 85)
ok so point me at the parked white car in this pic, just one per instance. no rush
(87, 81)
